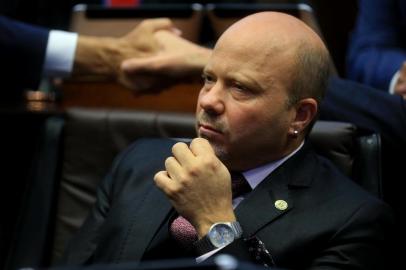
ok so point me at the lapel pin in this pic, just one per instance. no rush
(281, 204)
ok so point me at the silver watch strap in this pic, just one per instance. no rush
(204, 245)
(236, 227)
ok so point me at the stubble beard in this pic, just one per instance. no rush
(219, 150)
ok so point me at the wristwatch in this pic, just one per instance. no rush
(220, 234)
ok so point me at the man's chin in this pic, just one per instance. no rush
(213, 142)
(218, 148)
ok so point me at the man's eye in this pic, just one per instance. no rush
(207, 78)
(239, 87)
(242, 91)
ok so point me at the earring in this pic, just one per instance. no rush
(295, 132)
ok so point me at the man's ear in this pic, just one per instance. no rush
(306, 111)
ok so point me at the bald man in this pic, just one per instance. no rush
(164, 199)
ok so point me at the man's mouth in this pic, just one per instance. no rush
(207, 130)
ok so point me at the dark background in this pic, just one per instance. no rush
(20, 130)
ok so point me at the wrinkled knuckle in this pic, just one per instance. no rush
(177, 145)
(200, 140)
(185, 183)
(209, 162)
(157, 175)
(183, 178)
(168, 161)
(173, 192)
(157, 179)
(195, 141)
(193, 170)
(170, 193)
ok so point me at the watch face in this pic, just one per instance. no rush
(221, 235)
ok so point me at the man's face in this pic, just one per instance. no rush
(242, 108)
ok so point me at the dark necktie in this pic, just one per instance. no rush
(239, 184)
(184, 232)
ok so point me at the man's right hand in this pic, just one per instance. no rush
(198, 185)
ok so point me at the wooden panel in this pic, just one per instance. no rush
(180, 98)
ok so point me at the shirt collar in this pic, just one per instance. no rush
(255, 176)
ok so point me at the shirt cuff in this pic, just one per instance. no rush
(393, 82)
(60, 54)
(208, 255)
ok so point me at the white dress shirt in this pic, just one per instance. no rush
(393, 82)
(60, 54)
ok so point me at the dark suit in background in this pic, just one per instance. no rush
(377, 47)
(368, 108)
(329, 220)
(22, 53)
(372, 110)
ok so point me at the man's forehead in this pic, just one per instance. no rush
(262, 52)
(253, 42)
(270, 31)
(252, 69)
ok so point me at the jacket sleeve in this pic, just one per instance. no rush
(22, 53)
(377, 46)
(369, 109)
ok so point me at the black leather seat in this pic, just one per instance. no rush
(77, 151)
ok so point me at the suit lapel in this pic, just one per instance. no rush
(258, 209)
(273, 197)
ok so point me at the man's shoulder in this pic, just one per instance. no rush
(326, 177)
(342, 187)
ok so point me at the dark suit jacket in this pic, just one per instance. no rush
(372, 110)
(329, 220)
(22, 53)
(377, 46)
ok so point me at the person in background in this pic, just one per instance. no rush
(250, 185)
(377, 48)
(29, 53)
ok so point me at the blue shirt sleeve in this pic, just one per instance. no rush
(377, 46)
(22, 53)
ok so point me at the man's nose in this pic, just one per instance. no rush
(212, 100)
